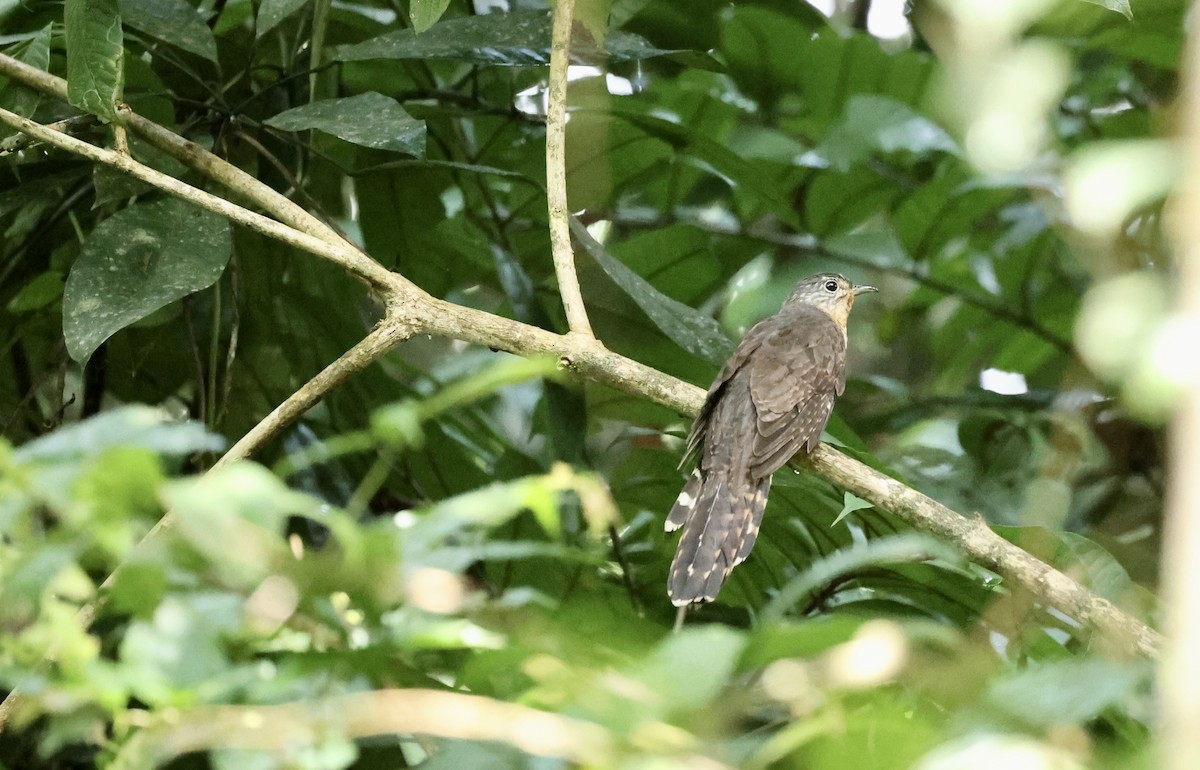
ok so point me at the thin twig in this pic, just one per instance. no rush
(383, 338)
(340, 252)
(365, 714)
(556, 171)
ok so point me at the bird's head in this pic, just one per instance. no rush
(830, 292)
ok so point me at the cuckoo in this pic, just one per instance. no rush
(770, 400)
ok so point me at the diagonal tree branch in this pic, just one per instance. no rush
(556, 170)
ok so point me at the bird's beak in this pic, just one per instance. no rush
(864, 290)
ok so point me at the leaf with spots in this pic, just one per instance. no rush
(174, 21)
(143, 258)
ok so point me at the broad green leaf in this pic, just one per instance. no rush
(181, 649)
(95, 56)
(672, 670)
(38, 293)
(799, 639)
(271, 12)
(244, 489)
(692, 330)
(876, 124)
(519, 38)
(678, 260)
(36, 53)
(370, 119)
(737, 172)
(425, 13)
(902, 548)
(173, 21)
(1065, 692)
(127, 426)
(139, 260)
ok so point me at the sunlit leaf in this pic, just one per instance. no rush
(1120, 6)
(140, 426)
(425, 13)
(518, 38)
(271, 12)
(875, 124)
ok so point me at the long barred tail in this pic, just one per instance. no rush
(721, 516)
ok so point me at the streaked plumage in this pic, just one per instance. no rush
(771, 399)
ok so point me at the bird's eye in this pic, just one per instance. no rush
(831, 286)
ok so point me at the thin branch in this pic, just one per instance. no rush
(383, 338)
(556, 170)
(339, 252)
(190, 153)
(365, 714)
(1180, 672)
(985, 547)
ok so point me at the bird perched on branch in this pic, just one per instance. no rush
(770, 400)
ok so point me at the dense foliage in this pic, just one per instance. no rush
(462, 520)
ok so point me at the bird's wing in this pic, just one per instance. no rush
(795, 373)
(736, 361)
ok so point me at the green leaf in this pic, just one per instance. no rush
(425, 13)
(36, 53)
(38, 293)
(692, 330)
(519, 38)
(850, 504)
(1065, 692)
(244, 489)
(271, 12)
(127, 426)
(876, 124)
(181, 650)
(1120, 6)
(139, 260)
(95, 51)
(370, 120)
(738, 173)
(903, 548)
(672, 670)
(173, 21)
